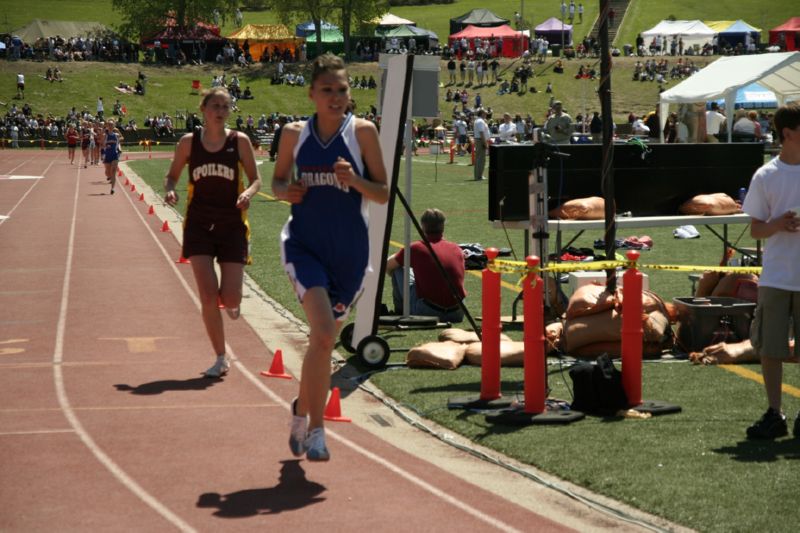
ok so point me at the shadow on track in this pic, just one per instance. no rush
(292, 492)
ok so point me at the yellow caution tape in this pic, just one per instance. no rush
(694, 268)
(519, 267)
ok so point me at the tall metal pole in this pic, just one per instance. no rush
(607, 173)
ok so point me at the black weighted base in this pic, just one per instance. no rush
(657, 407)
(475, 402)
(518, 417)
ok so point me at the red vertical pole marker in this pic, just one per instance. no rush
(632, 332)
(490, 338)
(533, 335)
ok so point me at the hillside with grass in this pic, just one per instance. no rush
(169, 89)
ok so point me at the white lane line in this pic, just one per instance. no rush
(19, 177)
(36, 432)
(58, 377)
(258, 382)
(35, 183)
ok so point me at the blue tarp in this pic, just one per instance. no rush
(753, 96)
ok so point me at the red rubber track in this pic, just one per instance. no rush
(106, 423)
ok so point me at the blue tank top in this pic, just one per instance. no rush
(112, 141)
(332, 218)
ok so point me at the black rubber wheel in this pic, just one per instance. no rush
(373, 351)
(346, 337)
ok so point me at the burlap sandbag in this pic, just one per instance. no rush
(446, 355)
(590, 299)
(592, 208)
(654, 327)
(458, 335)
(463, 336)
(650, 301)
(512, 353)
(614, 349)
(707, 283)
(743, 286)
(606, 327)
(589, 329)
(717, 203)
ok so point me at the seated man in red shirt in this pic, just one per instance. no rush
(429, 292)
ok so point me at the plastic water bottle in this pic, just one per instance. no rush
(742, 194)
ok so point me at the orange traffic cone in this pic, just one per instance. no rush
(126, 157)
(141, 197)
(276, 368)
(333, 411)
(165, 227)
(182, 260)
(119, 173)
(151, 211)
(127, 182)
(133, 187)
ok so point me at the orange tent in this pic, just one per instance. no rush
(266, 37)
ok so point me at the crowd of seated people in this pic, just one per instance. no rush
(659, 70)
(53, 74)
(363, 82)
(586, 73)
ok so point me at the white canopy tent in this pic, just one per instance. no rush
(691, 31)
(779, 73)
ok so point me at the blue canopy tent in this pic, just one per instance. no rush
(737, 33)
(306, 29)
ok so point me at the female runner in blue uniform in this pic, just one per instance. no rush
(112, 147)
(325, 245)
(216, 215)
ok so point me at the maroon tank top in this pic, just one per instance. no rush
(214, 177)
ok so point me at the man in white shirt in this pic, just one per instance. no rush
(481, 136)
(508, 130)
(714, 120)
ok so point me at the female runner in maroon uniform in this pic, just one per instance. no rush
(216, 215)
(72, 141)
(87, 137)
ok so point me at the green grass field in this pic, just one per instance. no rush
(694, 468)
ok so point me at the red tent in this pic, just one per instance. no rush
(787, 35)
(514, 42)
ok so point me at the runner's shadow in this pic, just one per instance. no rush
(159, 387)
(292, 492)
(761, 451)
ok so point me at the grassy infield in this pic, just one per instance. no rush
(693, 468)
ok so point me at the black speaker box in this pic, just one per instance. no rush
(651, 181)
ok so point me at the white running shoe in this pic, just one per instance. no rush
(298, 433)
(233, 312)
(315, 445)
(220, 368)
